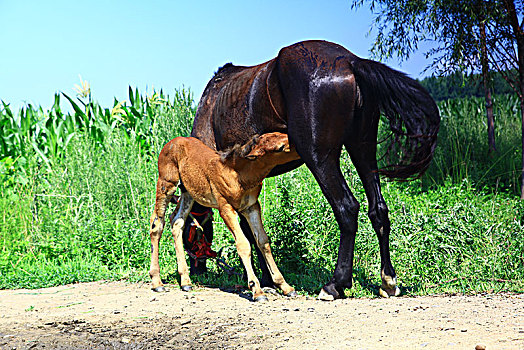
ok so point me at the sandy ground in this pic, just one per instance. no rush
(119, 315)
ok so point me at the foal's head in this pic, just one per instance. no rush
(271, 148)
(271, 145)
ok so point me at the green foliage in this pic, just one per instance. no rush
(77, 208)
(457, 85)
(48, 133)
(468, 237)
(457, 30)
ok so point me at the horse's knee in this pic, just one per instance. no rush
(156, 225)
(177, 224)
(354, 207)
(262, 240)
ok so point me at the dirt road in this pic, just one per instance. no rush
(119, 315)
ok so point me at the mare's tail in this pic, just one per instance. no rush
(413, 117)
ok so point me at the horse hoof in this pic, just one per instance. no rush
(270, 290)
(325, 296)
(261, 299)
(188, 288)
(159, 289)
(386, 293)
(292, 294)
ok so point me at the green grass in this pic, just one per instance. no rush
(77, 208)
(462, 151)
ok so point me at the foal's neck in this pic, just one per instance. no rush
(250, 172)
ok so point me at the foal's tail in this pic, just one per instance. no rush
(413, 117)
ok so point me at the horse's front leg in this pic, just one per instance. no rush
(230, 217)
(365, 162)
(252, 214)
(177, 220)
(265, 280)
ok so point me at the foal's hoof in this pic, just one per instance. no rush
(292, 294)
(261, 299)
(159, 289)
(270, 290)
(188, 288)
(386, 293)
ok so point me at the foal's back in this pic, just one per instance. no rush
(188, 160)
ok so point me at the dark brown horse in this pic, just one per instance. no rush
(324, 97)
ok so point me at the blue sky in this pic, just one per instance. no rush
(157, 44)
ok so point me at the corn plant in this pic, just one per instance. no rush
(149, 121)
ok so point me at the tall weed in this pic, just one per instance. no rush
(462, 151)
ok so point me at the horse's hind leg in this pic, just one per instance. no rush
(345, 208)
(363, 157)
(252, 214)
(322, 157)
(164, 192)
(177, 220)
(319, 115)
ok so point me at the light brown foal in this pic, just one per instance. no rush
(230, 182)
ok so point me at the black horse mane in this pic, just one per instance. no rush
(226, 71)
(240, 151)
(223, 69)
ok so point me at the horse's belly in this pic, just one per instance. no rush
(207, 200)
(199, 189)
(248, 200)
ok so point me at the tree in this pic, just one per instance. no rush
(471, 36)
(517, 37)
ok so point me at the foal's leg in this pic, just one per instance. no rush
(265, 280)
(364, 159)
(177, 220)
(252, 214)
(230, 217)
(164, 192)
